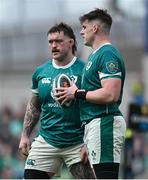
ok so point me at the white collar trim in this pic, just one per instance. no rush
(101, 46)
(66, 66)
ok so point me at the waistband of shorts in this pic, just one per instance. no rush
(100, 116)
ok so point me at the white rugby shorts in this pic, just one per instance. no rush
(45, 157)
(104, 138)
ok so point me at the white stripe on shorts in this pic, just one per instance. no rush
(119, 127)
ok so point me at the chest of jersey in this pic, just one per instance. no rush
(91, 79)
(46, 80)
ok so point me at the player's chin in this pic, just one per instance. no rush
(56, 55)
(87, 43)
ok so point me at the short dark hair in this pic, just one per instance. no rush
(67, 30)
(98, 14)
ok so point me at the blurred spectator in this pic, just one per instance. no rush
(138, 92)
(11, 164)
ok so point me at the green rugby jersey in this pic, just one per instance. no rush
(59, 126)
(105, 62)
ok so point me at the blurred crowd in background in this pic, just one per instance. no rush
(23, 46)
(11, 162)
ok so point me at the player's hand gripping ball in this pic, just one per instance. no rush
(62, 81)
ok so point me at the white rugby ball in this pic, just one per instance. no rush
(62, 80)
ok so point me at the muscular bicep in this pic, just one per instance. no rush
(112, 86)
(109, 92)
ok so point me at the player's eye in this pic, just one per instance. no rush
(50, 41)
(57, 41)
(83, 27)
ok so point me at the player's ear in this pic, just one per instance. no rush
(95, 28)
(71, 42)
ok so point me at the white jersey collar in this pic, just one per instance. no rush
(101, 47)
(66, 66)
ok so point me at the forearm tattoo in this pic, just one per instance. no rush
(82, 171)
(31, 116)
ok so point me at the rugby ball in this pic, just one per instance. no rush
(62, 80)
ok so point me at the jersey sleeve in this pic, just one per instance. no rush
(110, 67)
(34, 83)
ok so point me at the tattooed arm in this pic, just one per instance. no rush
(31, 119)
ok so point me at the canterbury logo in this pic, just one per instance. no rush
(31, 162)
(46, 81)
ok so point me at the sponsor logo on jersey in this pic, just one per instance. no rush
(112, 66)
(46, 80)
(54, 105)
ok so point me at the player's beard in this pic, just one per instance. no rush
(60, 57)
(56, 54)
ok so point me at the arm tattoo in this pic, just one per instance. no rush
(32, 115)
(82, 171)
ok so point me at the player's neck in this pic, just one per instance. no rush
(66, 60)
(99, 42)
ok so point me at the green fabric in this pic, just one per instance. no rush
(106, 139)
(105, 62)
(60, 126)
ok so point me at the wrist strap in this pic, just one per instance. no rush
(80, 94)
